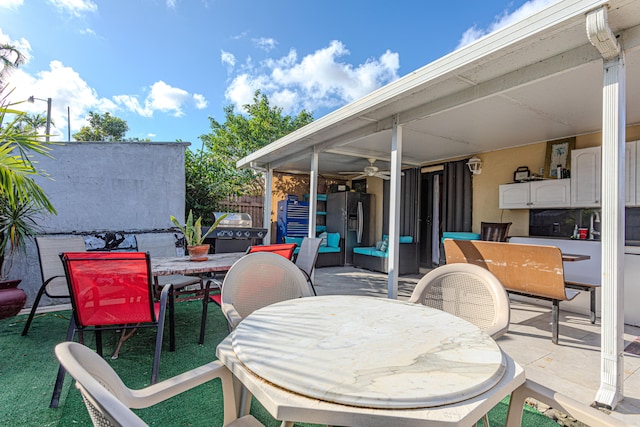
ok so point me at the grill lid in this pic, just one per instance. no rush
(234, 219)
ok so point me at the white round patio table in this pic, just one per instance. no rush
(368, 352)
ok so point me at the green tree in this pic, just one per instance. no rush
(211, 172)
(33, 121)
(10, 59)
(103, 127)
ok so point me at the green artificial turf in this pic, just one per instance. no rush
(28, 371)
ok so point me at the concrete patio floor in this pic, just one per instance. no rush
(572, 367)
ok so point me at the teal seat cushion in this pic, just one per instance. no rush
(371, 251)
(327, 249)
(402, 239)
(460, 235)
(296, 240)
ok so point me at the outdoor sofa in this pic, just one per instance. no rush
(376, 258)
(329, 254)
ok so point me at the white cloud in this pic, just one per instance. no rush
(201, 102)
(88, 31)
(161, 97)
(318, 80)
(228, 58)
(168, 98)
(75, 7)
(11, 4)
(265, 44)
(67, 88)
(527, 9)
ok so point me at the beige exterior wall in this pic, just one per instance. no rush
(498, 168)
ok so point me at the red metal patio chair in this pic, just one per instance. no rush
(114, 290)
(284, 249)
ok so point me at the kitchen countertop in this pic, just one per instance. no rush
(626, 243)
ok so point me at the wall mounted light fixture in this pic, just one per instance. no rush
(475, 165)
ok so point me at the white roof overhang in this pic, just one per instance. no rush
(536, 80)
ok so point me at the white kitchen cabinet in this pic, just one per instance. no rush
(549, 193)
(514, 196)
(585, 177)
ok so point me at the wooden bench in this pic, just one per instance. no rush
(530, 270)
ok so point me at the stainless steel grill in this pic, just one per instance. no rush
(235, 233)
(234, 220)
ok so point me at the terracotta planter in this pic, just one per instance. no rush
(12, 299)
(198, 253)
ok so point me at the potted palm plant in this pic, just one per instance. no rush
(21, 200)
(192, 231)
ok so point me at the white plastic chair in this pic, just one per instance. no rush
(109, 400)
(563, 403)
(258, 280)
(54, 281)
(467, 291)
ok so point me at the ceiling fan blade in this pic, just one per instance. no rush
(349, 173)
(359, 177)
(383, 176)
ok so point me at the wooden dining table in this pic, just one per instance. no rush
(358, 360)
(574, 257)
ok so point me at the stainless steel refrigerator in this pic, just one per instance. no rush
(349, 214)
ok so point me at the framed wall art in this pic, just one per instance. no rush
(558, 154)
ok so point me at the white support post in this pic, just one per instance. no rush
(313, 193)
(613, 221)
(268, 197)
(394, 209)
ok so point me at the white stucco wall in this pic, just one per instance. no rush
(101, 187)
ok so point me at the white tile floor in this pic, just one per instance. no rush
(571, 367)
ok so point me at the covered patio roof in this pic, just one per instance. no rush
(562, 72)
(536, 80)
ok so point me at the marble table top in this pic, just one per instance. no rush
(167, 266)
(368, 352)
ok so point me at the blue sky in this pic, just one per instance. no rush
(166, 66)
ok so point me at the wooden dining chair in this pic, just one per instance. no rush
(494, 231)
(114, 290)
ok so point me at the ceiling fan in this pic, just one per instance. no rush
(370, 170)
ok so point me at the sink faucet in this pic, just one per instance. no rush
(595, 217)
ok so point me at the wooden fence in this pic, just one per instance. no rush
(253, 205)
